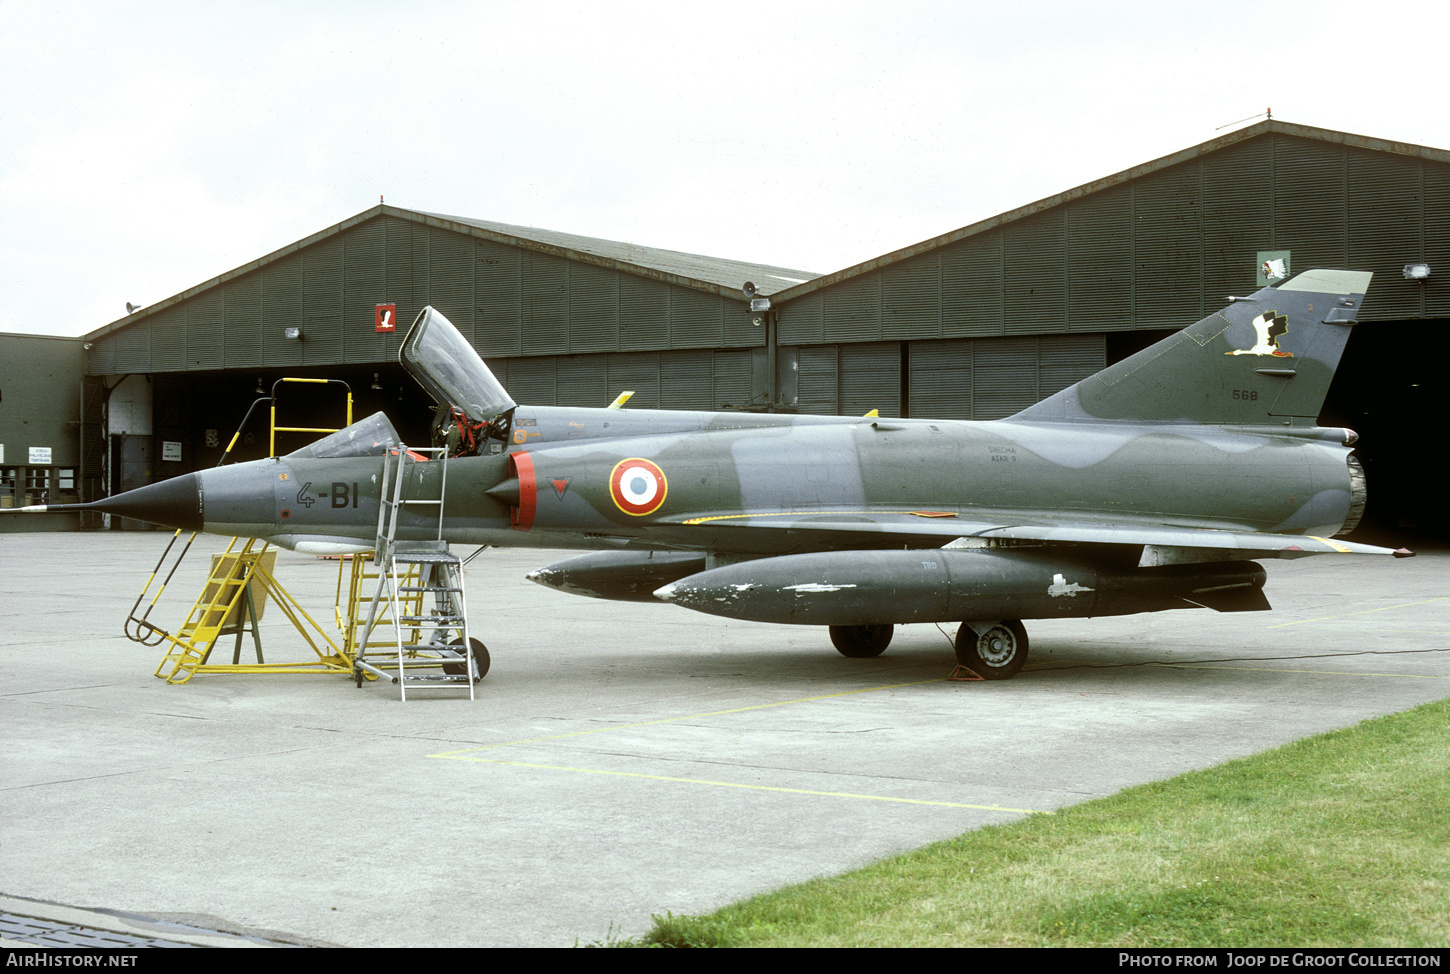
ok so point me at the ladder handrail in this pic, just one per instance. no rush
(272, 443)
(440, 574)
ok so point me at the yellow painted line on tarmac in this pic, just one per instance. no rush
(735, 784)
(468, 755)
(1271, 669)
(676, 720)
(1362, 612)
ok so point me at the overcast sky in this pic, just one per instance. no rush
(146, 147)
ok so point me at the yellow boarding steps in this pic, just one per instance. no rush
(231, 604)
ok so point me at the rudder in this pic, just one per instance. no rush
(1265, 360)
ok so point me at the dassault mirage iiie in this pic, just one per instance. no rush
(1150, 485)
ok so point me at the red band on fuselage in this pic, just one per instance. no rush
(523, 515)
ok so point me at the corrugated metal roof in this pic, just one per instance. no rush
(1214, 145)
(724, 277)
(687, 268)
(711, 274)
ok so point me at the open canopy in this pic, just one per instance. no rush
(440, 358)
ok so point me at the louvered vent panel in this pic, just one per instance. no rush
(544, 288)
(687, 380)
(496, 300)
(403, 290)
(1004, 376)
(1238, 211)
(102, 358)
(1168, 247)
(450, 279)
(282, 307)
(941, 379)
(322, 303)
(870, 378)
(737, 325)
(695, 319)
(593, 308)
(911, 298)
(1436, 248)
(816, 380)
(1309, 202)
(133, 348)
(1036, 278)
(1386, 207)
(851, 310)
(1100, 260)
(532, 381)
(799, 322)
(168, 338)
(205, 328)
(972, 286)
(732, 378)
(1063, 360)
(639, 371)
(242, 314)
(364, 276)
(583, 380)
(644, 313)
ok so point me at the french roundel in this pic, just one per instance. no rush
(637, 486)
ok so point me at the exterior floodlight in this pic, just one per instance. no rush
(293, 333)
(1417, 272)
(759, 305)
(376, 386)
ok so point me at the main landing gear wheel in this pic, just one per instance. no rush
(862, 642)
(480, 659)
(996, 653)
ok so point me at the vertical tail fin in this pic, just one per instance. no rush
(1266, 359)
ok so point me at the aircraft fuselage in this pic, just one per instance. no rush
(563, 494)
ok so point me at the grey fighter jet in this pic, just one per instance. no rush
(1151, 485)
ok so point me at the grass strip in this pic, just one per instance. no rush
(1337, 840)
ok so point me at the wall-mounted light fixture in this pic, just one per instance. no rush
(758, 305)
(292, 332)
(260, 390)
(1417, 272)
(377, 386)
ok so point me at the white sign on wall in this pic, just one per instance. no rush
(171, 449)
(39, 455)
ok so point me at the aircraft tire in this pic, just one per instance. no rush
(862, 642)
(996, 654)
(480, 657)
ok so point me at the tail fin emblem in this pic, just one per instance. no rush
(1269, 327)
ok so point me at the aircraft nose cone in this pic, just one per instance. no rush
(174, 503)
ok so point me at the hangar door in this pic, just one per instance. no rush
(956, 378)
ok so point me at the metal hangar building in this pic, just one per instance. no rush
(974, 324)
